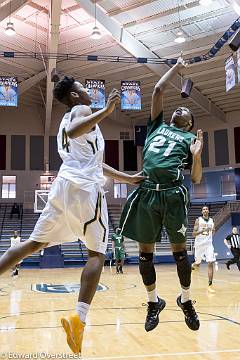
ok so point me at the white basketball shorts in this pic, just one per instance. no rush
(204, 251)
(71, 214)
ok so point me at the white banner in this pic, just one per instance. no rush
(230, 74)
(238, 64)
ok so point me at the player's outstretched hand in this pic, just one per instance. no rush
(197, 144)
(113, 100)
(181, 63)
(136, 179)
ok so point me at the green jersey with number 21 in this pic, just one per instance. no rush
(166, 151)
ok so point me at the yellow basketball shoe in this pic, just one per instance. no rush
(74, 329)
(195, 266)
(211, 289)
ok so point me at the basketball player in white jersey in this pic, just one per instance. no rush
(203, 232)
(76, 206)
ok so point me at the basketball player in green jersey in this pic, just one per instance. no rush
(118, 249)
(162, 200)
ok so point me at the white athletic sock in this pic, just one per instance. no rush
(152, 295)
(82, 310)
(185, 295)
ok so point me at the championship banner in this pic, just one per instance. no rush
(96, 90)
(230, 74)
(8, 91)
(130, 95)
(238, 64)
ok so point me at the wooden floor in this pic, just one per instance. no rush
(29, 320)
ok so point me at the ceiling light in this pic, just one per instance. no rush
(10, 31)
(205, 2)
(180, 38)
(96, 34)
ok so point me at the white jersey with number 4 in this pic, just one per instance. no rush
(205, 225)
(76, 206)
(82, 157)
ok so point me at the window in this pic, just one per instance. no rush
(9, 187)
(120, 190)
(199, 191)
(46, 182)
(228, 187)
(124, 135)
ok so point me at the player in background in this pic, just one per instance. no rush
(118, 250)
(203, 232)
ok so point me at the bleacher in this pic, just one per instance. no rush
(75, 253)
(24, 224)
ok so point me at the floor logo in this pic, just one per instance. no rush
(62, 289)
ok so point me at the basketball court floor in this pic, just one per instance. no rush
(31, 307)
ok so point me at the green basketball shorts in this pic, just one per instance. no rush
(119, 254)
(147, 211)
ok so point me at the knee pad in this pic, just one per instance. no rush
(146, 268)
(180, 256)
(183, 267)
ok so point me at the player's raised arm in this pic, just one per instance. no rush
(196, 150)
(162, 84)
(121, 176)
(83, 120)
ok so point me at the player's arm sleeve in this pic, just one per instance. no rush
(153, 125)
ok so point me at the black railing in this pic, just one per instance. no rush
(3, 218)
(21, 220)
(80, 247)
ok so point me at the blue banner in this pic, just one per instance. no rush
(130, 95)
(96, 90)
(8, 91)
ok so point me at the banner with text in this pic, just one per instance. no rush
(230, 74)
(8, 91)
(130, 95)
(96, 90)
